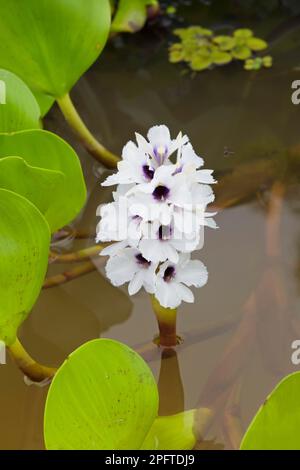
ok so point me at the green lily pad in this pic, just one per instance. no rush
(276, 424)
(131, 15)
(42, 149)
(172, 432)
(35, 184)
(50, 44)
(24, 249)
(104, 397)
(20, 110)
(256, 44)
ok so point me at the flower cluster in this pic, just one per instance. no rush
(157, 217)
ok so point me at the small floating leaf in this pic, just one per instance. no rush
(267, 61)
(256, 44)
(276, 424)
(221, 58)
(201, 63)
(24, 249)
(241, 52)
(225, 43)
(103, 397)
(243, 33)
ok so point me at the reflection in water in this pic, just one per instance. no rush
(239, 331)
(170, 387)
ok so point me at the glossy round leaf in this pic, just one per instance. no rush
(24, 248)
(276, 424)
(172, 432)
(18, 109)
(51, 43)
(36, 184)
(103, 397)
(43, 149)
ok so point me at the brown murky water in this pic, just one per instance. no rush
(238, 334)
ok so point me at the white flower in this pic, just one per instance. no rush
(133, 168)
(166, 242)
(160, 146)
(128, 265)
(172, 281)
(157, 217)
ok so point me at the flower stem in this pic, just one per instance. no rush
(166, 318)
(93, 146)
(80, 270)
(34, 371)
(75, 256)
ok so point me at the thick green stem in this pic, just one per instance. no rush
(34, 371)
(166, 318)
(97, 150)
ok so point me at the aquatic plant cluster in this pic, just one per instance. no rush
(202, 49)
(157, 217)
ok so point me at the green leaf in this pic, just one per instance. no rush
(221, 58)
(50, 44)
(20, 110)
(241, 52)
(267, 61)
(103, 397)
(35, 184)
(45, 150)
(200, 63)
(176, 53)
(172, 432)
(24, 248)
(225, 43)
(131, 15)
(45, 102)
(276, 424)
(256, 44)
(243, 33)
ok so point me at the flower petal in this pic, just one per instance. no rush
(194, 273)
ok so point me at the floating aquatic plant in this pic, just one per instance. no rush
(131, 15)
(49, 46)
(201, 48)
(276, 424)
(104, 397)
(38, 170)
(157, 219)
